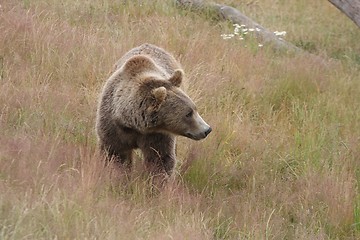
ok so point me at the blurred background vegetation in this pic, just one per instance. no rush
(282, 161)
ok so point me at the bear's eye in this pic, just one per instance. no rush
(189, 114)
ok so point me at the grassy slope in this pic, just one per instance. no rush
(281, 163)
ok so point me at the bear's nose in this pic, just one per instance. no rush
(208, 131)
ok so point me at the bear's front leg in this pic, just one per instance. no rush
(126, 159)
(159, 154)
(122, 158)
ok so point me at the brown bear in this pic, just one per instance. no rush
(142, 106)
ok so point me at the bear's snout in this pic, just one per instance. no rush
(200, 135)
(200, 129)
(208, 131)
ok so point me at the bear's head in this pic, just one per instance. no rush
(175, 111)
(164, 105)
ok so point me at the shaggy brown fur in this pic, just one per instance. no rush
(142, 106)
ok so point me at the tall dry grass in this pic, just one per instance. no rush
(281, 163)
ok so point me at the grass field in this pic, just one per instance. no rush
(282, 162)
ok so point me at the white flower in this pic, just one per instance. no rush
(260, 45)
(224, 36)
(227, 36)
(258, 29)
(282, 33)
(251, 29)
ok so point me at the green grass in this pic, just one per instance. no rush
(282, 161)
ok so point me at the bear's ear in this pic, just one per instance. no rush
(159, 94)
(138, 64)
(177, 77)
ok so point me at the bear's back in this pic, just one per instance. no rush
(162, 58)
